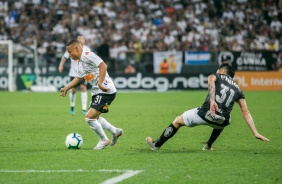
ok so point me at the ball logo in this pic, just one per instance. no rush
(86, 53)
(168, 131)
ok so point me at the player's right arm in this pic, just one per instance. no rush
(72, 83)
(102, 74)
(62, 62)
(249, 120)
(211, 88)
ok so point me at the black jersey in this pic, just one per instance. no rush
(227, 92)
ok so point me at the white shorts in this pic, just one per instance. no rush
(191, 119)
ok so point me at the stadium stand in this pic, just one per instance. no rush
(142, 26)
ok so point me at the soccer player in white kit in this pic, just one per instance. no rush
(73, 74)
(94, 70)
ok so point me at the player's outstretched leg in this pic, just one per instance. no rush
(168, 133)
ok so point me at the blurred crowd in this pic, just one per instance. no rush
(112, 28)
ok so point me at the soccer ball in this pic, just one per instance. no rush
(74, 141)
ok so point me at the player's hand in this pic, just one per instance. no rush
(260, 137)
(63, 92)
(103, 88)
(213, 107)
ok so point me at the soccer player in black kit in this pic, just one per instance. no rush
(215, 111)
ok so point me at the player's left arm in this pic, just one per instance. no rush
(249, 120)
(102, 74)
(211, 88)
(73, 83)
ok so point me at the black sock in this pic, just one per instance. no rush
(168, 133)
(214, 135)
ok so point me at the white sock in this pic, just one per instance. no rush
(106, 125)
(84, 99)
(72, 99)
(96, 126)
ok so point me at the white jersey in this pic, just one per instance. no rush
(73, 65)
(89, 70)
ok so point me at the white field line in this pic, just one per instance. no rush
(125, 173)
(122, 177)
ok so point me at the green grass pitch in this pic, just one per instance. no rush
(34, 127)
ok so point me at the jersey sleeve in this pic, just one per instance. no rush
(91, 57)
(241, 95)
(216, 75)
(67, 55)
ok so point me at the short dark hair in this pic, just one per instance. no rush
(74, 41)
(229, 68)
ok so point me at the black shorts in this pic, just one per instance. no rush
(83, 82)
(101, 102)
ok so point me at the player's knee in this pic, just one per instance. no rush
(176, 118)
(178, 122)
